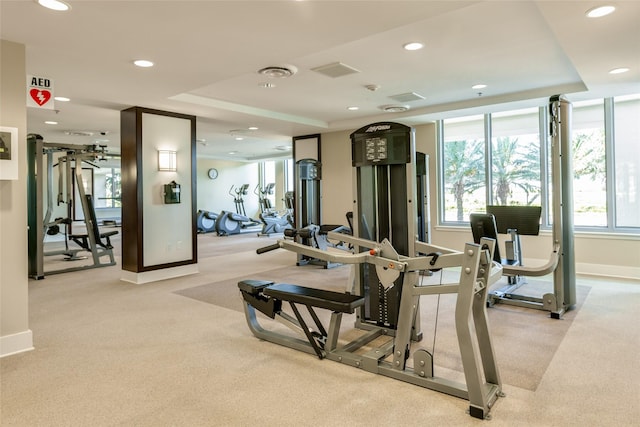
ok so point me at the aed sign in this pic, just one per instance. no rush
(39, 92)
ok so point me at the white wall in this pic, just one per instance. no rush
(595, 253)
(213, 194)
(15, 335)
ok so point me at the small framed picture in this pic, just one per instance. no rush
(8, 153)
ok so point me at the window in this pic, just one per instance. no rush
(605, 135)
(107, 187)
(462, 166)
(588, 158)
(515, 158)
(626, 168)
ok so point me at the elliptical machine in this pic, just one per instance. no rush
(272, 221)
(229, 223)
(206, 221)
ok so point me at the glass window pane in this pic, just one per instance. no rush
(589, 166)
(515, 157)
(627, 161)
(463, 168)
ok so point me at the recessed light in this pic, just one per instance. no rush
(354, 108)
(239, 138)
(253, 128)
(413, 46)
(479, 86)
(61, 98)
(232, 152)
(50, 122)
(600, 11)
(54, 5)
(143, 63)
(619, 70)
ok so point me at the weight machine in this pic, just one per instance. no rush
(93, 240)
(561, 261)
(384, 289)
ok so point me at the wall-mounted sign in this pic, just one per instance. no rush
(39, 92)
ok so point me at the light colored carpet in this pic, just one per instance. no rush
(109, 353)
(525, 340)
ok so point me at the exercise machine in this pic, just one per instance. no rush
(229, 223)
(561, 261)
(272, 220)
(70, 163)
(206, 221)
(384, 289)
(308, 214)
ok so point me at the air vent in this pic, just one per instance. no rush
(407, 97)
(79, 133)
(336, 69)
(394, 108)
(279, 72)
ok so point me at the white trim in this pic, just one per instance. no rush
(16, 343)
(156, 275)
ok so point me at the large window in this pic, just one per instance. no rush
(463, 168)
(514, 167)
(626, 166)
(588, 158)
(515, 158)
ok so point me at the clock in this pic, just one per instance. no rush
(212, 173)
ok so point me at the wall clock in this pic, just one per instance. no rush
(212, 173)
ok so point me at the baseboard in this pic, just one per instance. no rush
(600, 270)
(16, 343)
(156, 275)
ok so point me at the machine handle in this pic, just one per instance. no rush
(268, 248)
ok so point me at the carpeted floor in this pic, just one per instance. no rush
(524, 339)
(110, 353)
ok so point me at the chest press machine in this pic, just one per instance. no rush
(386, 290)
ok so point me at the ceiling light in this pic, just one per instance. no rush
(354, 108)
(619, 70)
(598, 12)
(232, 152)
(54, 5)
(279, 72)
(413, 46)
(62, 99)
(478, 86)
(143, 63)
(253, 128)
(49, 122)
(239, 138)
(266, 85)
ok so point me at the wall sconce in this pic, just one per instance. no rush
(167, 161)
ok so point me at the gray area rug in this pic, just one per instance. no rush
(525, 340)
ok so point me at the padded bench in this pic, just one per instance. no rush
(268, 297)
(329, 300)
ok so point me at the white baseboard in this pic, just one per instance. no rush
(156, 275)
(600, 270)
(16, 343)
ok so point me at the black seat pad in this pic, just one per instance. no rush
(335, 301)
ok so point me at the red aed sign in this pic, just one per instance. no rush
(39, 92)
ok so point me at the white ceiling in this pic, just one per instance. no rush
(207, 55)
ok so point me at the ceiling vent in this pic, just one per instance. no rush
(407, 97)
(278, 72)
(79, 133)
(394, 108)
(337, 69)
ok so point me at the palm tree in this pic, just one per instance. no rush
(463, 170)
(515, 165)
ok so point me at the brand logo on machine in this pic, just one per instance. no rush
(376, 128)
